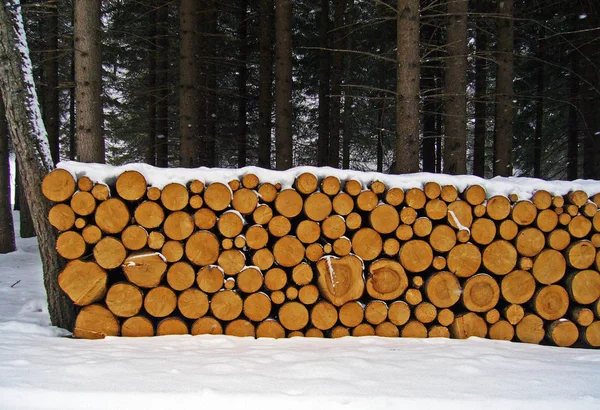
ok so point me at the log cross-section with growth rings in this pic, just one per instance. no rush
(324, 253)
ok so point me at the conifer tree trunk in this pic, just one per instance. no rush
(26, 228)
(211, 84)
(265, 98)
(347, 123)
(539, 109)
(162, 84)
(283, 84)
(573, 131)
(242, 79)
(480, 131)
(7, 232)
(336, 84)
(455, 141)
(503, 132)
(324, 84)
(51, 105)
(88, 81)
(591, 96)
(151, 149)
(407, 88)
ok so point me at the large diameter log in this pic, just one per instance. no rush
(323, 315)
(474, 194)
(367, 244)
(480, 293)
(202, 248)
(442, 238)
(563, 332)
(530, 329)
(257, 307)
(443, 289)
(137, 326)
(384, 219)
(206, 326)
(549, 267)
(340, 279)
(416, 255)
(293, 316)
(95, 322)
(467, 325)
(192, 303)
(144, 269)
(205, 218)
(109, 253)
(584, 286)
(367, 201)
(464, 260)
(530, 242)
(178, 226)
(524, 213)
(226, 305)
(579, 226)
(581, 254)
(83, 282)
(288, 251)
(551, 302)
(83, 203)
(317, 206)
(386, 280)
(415, 198)
(518, 287)
(112, 216)
(500, 257)
(70, 245)
(217, 196)
(58, 185)
(131, 185)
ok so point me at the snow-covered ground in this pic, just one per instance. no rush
(41, 370)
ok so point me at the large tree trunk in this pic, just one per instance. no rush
(31, 147)
(88, 81)
(162, 84)
(242, 79)
(455, 141)
(480, 131)
(211, 85)
(26, 228)
(51, 105)
(591, 97)
(151, 149)
(283, 83)
(265, 98)
(407, 88)
(189, 79)
(324, 84)
(504, 90)
(336, 84)
(347, 123)
(539, 108)
(7, 232)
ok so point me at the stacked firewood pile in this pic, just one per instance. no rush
(326, 258)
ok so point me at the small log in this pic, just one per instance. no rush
(279, 226)
(172, 251)
(288, 251)
(226, 305)
(498, 207)
(291, 293)
(333, 227)
(148, 214)
(460, 214)
(101, 192)
(438, 331)
(343, 204)
(144, 269)
(134, 237)
(83, 203)
(230, 224)
(109, 253)
(160, 302)
(95, 322)
(308, 294)
(229, 283)
(58, 185)
(432, 190)
(590, 209)
(179, 225)
(153, 193)
(175, 197)
(413, 297)
(508, 230)
(384, 219)
(352, 314)
(581, 315)
(422, 227)
(156, 240)
(295, 333)
(308, 231)
(464, 260)
(293, 316)
(445, 317)
(206, 326)
(524, 213)
(340, 280)
(405, 232)
(414, 328)
(353, 221)
(210, 279)
(558, 239)
(581, 254)
(85, 184)
(415, 198)
(387, 329)
(250, 280)
(131, 185)
(474, 194)
(263, 259)
(137, 326)
(271, 329)
(202, 248)
(530, 329)
(289, 203)
(275, 279)
(112, 216)
(549, 267)
(257, 237)
(480, 293)
(479, 210)
(439, 262)
(391, 246)
(331, 185)
(518, 287)
(547, 220)
(262, 214)
(323, 315)
(267, 192)
(563, 333)
(352, 187)
(314, 332)
(80, 223)
(367, 201)
(415, 255)
(425, 312)
(387, 280)
(467, 325)
(502, 330)
(442, 238)
(240, 241)
(513, 313)
(525, 263)
(596, 240)
(302, 274)
(244, 201)
(172, 326)
(70, 245)
(378, 187)
(579, 227)
(250, 181)
(577, 198)
(91, 234)
(192, 303)
(564, 219)
(483, 231)
(500, 257)
(364, 329)
(257, 307)
(62, 217)
(394, 196)
(231, 261)
(530, 242)
(551, 302)
(306, 183)
(443, 289)
(591, 334)
(196, 187)
(342, 246)
(436, 209)
(217, 196)
(584, 286)
(83, 282)
(376, 312)
(463, 235)
(542, 199)
(408, 215)
(205, 218)
(181, 276)
(124, 299)
(398, 313)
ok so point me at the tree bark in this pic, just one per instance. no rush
(151, 60)
(162, 84)
(189, 79)
(51, 113)
(591, 98)
(407, 88)
(539, 107)
(211, 159)
(573, 131)
(455, 141)
(504, 90)
(7, 232)
(336, 84)
(26, 228)
(265, 98)
(324, 84)
(283, 84)
(480, 132)
(242, 79)
(88, 81)
(348, 123)
(31, 147)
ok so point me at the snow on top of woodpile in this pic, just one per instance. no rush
(159, 177)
